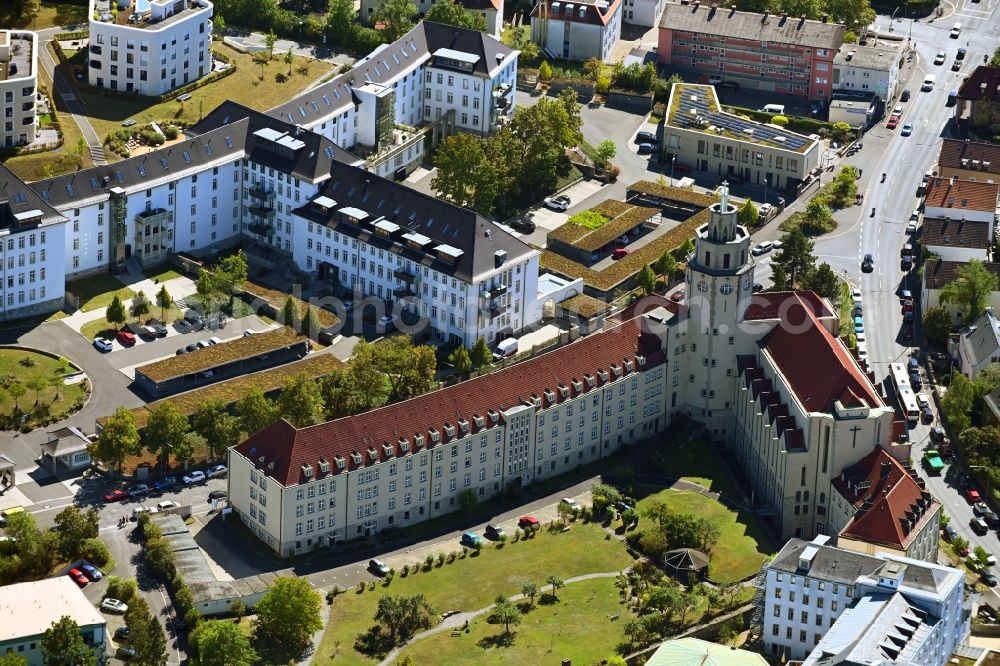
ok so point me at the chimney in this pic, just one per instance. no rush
(826, 17)
(952, 180)
(763, 19)
(802, 21)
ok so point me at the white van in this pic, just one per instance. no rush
(774, 108)
(956, 30)
(505, 349)
(929, 82)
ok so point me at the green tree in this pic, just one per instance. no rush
(75, 527)
(556, 584)
(819, 216)
(269, 41)
(592, 68)
(36, 384)
(779, 120)
(192, 442)
(140, 305)
(796, 256)
(290, 312)
(841, 130)
(684, 250)
(823, 281)
(666, 264)
(958, 402)
(300, 402)
(288, 614)
(408, 369)
(466, 176)
(231, 272)
(310, 322)
(460, 360)
(341, 19)
(146, 637)
(165, 430)
(937, 324)
(481, 356)
(255, 411)
(397, 16)
(118, 439)
(981, 556)
(116, 312)
(606, 150)
(289, 59)
(467, 500)
(12, 659)
(646, 279)
(505, 613)
(218, 26)
(222, 643)
(959, 544)
(62, 645)
(748, 215)
(854, 14)
(970, 290)
(779, 278)
(545, 71)
(16, 390)
(530, 590)
(450, 12)
(403, 616)
(603, 496)
(164, 300)
(220, 429)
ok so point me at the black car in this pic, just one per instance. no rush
(991, 518)
(493, 532)
(729, 85)
(192, 347)
(120, 633)
(757, 287)
(988, 578)
(949, 533)
(196, 321)
(978, 526)
(906, 263)
(868, 263)
(927, 416)
(161, 330)
(218, 495)
(913, 364)
(937, 434)
(180, 351)
(915, 380)
(526, 226)
(645, 137)
(905, 97)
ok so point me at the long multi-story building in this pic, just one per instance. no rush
(766, 52)
(829, 605)
(18, 84)
(869, 69)
(577, 30)
(490, 10)
(148, 47)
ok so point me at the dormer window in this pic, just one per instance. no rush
(550, 395)
(435, 435)
(418, 441)
(404, 444)
(464, 425)
(590, 380)
(387, 450)
(356, 458)
(307, 470)
(641, 360)
(479, 420)
(616, 369)
(340, 461)
(603, 374)
(535, 400)
(449, 429)
(564, 391)
(494, 417)
(373, 454)
(577, 385)
(628, 366)
(324, 466)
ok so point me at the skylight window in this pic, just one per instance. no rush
(69, 190)
(314, 105)
(208, 149)
(142, 170)
(336, 93)
(45, 195)
(164, 163)
(20, 197)
(326, 100)
(328, 151)
(291, 118)
(302, 111)
(187, 156)
(120, 176)
(93, 183)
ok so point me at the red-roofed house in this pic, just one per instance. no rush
(880, 506)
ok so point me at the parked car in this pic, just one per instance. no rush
(139, 510)
(127, 338)
(471, 539)
(103, 344)
(493, 531)
(183, 325)
(196, 476)
(166, 505)
(988, 578)
(762, 248)
(528, 523)
(949, 533)
(191, 347)
(147, 332)
(646, 148)
(979, 508)
(518, 224)
(378, 567)
(922, 401)
(961, 54)
(911, 227)
(937, 434)
(677, 296)
(978, 526)
(991, 518)
(195, 320)
(248, 332)
(905, 97)
(166, 483)
(927, 416)
(216, 471)
(138, 490)
(161, 330)
(114, 606)
(385, 321)
(120, 633)
(940, 58)
(77, 577)
(560, 203)
(117, 495)
(214, 340)
(893, 122)
(757, 287)
(956, 66)
(218, 495)
(972, 496)
(126, 653)
(203, 344)
(572, 503)
(620, 253)
(645, 137)
(92, 572)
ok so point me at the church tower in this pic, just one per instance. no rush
(720, 285)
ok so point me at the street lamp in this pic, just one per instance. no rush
(767, 181)
(673, 161)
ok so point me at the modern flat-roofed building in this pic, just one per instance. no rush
(148, 47)
(18, 86)
(765, 52)
(969, 160)
(699, 134)
(28, 610)
(871, 69)
(644, 13)
(577, 30)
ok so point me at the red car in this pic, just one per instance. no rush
(677, 296)
(118, 495)
(972, 496)
(78, 577)
(682, 168)
(893, 121)
(127, 338)
(527, 522)
(620, 253)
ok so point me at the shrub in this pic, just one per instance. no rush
(121, 589)
(406, 570)
(95, 552)
(183, 599)
(428, 562)
(171, 132)
(450, 558)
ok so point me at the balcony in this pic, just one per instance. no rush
(405, 275)
(258, 192)
(496, 291)
(403, 292)
(262, 212)
(264, 230)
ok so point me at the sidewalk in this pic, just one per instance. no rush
(179, 287)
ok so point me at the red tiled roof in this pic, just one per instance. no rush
(818, 366)
(879, 482)
(961, 194)
(591, 15)
(772, 305)
(359, 440)
(953, 151)
(481, 5)
(983, 83)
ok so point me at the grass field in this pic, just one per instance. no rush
(43, 367)
(699, 462)
(160, 274)
(577, 627)
(473, 582)
(244, 86)
(101, 327)
(98, 291)
(743, 544)
(50, 15)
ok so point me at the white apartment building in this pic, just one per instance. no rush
(817, 602)
(491, 10)
(642, 12)
(18, 83)
(299, 489)
(149, 47)
(870, 69)
(421, 79)
(577, 30)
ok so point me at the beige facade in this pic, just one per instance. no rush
(18, 82)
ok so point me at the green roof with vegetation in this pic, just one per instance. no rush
(622, 217)
(277, 300)
(675, 194)
(584, 305)
(221, 354)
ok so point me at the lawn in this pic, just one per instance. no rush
(244, 86)
(101, 327)
(577, 627)
(743, 544)
(696, 461)
(41, 366)
(50, 15)
(97, 291)
(473, 582)
(161, 273)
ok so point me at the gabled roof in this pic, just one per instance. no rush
(703, 19)
(962, 195)
(891, 505)
(772, 304)
(698, 652)
(376, 436)
(981, 341)
(982, 84)
(18, 198)
(444, 224)
(817, 366)
(595, 12)
(970, 155)
(938, 272)
(940, 232)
